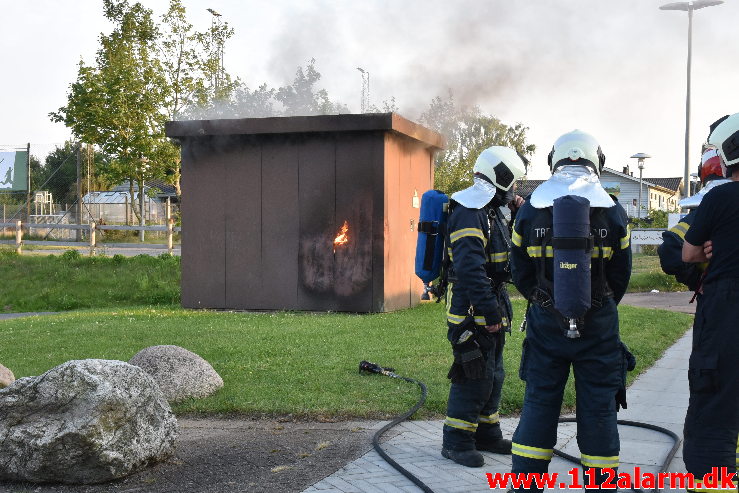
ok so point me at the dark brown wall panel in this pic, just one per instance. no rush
(356, 156)
(316, 202)
(280, 223)
(378, 222)
(203, 224)
(242, 189)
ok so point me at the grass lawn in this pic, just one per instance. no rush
(646, 275)
(72, 281)
(298, 364)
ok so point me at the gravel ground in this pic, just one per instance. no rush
(239, 455)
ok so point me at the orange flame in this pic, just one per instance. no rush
(342, 238)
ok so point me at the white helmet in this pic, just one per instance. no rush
(577, 147)
(725, 136)
(501, 166)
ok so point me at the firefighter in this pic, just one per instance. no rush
(711, 175)
(591, 345)
(478, 308)
(712, 420)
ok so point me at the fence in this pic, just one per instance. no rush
(91, 229)
(639, 236)
(647, 236)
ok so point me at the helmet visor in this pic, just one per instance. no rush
(731, 149)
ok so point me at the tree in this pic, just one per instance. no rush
(58, 172)
(214, 92)
(181, 64)
(301, 98)
(258, 103)
(468, 131)
(388, 106)
(178, 53)
(118, 103)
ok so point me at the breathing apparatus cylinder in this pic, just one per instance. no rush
(430, 243)
(572, 243)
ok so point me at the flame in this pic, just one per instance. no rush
(342, 238)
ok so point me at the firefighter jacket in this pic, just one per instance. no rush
(670, 254)
(478, 242)
(532, 253)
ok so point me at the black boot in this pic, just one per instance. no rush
(500, 446)
(467, 458)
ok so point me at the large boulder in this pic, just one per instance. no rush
(85, 421)
(181, 374)
(6, 377)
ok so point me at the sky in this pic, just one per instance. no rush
(615, 69)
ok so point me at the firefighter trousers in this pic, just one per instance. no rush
(712, 420)
(472, 410)
(599, 362)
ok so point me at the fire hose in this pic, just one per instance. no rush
(367, 367)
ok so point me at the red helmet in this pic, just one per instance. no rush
(710, 166)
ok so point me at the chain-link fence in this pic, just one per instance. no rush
(67, 188)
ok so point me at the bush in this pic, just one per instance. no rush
(71, 255)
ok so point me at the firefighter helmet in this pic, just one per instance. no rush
(710, 166)
(501, 166)
(577, 148)
(725, 136)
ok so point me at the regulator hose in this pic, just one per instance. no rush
(367, 367)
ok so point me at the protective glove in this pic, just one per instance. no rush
(468, 360)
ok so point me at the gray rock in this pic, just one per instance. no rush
(6, 377)
(181, 374)
(85, 421)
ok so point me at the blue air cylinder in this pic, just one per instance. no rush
(572, 244)
(430, 244)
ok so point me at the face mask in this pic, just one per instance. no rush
(502, 197)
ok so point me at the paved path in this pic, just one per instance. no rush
(674, 302)
(659, 396)
(7, 316)
(110, 250)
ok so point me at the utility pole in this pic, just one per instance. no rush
(78, 209)
(28, 194)
(142, 209)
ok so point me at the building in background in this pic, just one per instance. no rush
(115, 207)
(657, 193)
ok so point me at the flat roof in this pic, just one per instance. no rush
(305, 124)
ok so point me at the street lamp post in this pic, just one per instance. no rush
(689, 7)
(640, 157)
(365, 89)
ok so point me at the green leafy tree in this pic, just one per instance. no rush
(117, 104)
(656, 218)
(258, 103)
(214, 92)
(58, 172)
(302, 98)
(468, 131)
(178, 54)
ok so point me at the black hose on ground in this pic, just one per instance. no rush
(366, 366)
(670, 455)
